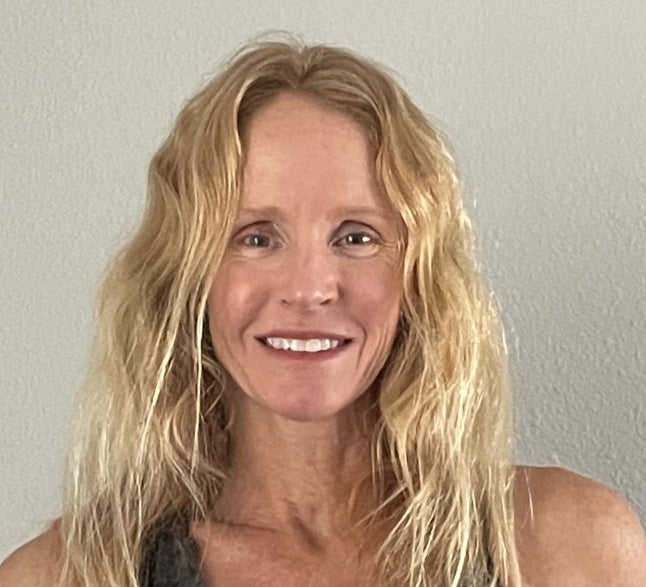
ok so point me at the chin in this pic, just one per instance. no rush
(307, 410)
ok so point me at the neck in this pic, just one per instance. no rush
(286, 473)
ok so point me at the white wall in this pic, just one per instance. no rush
(544, 103)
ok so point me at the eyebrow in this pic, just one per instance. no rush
(276, 212)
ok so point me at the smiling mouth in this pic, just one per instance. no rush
(310, 347)
(311, 350)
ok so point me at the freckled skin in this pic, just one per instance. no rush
(306, 270)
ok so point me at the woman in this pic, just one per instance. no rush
(299, 377)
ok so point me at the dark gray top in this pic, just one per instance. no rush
(171, 562)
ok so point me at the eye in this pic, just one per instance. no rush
(359, 238)
(258, 235)
(359, 243)
(250, 239)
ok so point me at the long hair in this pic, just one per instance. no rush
(152, 441)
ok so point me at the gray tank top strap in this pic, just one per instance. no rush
(171, 561)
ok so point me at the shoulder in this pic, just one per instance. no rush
(36, 563)
(573, 530)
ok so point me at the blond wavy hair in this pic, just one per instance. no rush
(152, 444)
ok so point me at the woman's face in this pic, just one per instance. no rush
(313, 256)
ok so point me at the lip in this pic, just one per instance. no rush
(304, 334)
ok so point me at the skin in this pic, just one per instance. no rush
(298, 270)
(299, 435)
(299, 431)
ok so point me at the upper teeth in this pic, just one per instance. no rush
(310, 346)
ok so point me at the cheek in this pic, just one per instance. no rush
(374, 293)
(232, 299)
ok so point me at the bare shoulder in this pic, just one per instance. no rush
(573, 530)
(36, 563)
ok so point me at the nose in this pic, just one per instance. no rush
(309, 278)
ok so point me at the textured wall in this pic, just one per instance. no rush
(544, 104)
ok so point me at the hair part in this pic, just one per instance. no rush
(152, 431)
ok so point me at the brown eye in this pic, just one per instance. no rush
(359, 238)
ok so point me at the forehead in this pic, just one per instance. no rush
(296, 148)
